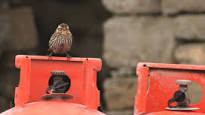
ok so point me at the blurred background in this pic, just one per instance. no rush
(121, 32)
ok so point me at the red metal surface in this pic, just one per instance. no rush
(174, 113)
(35, 72)
(52, 108)
(157, 84)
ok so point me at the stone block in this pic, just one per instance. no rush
(119, 92)
(129, 40)
(8, 81)
(132, 6)
(191, 53)
(178, 6)
(191, 27)
(4, 104)
(22, 32)
(121, 112)
(123, 71)
(4, 27)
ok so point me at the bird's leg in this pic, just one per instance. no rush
(68, 56)
(49, 55)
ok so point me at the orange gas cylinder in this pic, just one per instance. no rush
(37, 75)
(52, 108)
(157, 84)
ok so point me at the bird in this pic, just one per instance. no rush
(61, 40)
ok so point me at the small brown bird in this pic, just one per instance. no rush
(61, 41)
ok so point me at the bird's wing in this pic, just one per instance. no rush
(71, 39)
(52, 40)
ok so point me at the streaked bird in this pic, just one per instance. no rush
(61, 40)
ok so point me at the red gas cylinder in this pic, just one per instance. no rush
(175, 113)
(157, 84)
(36, 76)
(52, 108)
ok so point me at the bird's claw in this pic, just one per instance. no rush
(68, 57)
(50, 54)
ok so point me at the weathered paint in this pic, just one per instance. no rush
(157, 84)
(52, 108)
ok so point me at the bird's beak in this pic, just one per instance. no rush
(64, 32)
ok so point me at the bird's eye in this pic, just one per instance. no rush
(59, 29)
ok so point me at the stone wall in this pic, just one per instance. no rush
(169, 31)
(18, 35)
